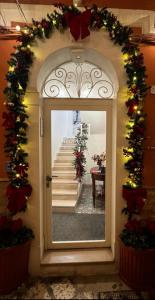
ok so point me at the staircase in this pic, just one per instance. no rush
(65, 188)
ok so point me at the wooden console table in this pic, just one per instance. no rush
(96, 176)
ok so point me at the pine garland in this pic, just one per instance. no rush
(81, 145)
(15, 119)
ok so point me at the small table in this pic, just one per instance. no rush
(97, 176)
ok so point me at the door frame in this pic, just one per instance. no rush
(85, 105)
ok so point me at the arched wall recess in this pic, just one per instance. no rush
(79, 56)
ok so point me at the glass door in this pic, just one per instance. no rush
(77, 144)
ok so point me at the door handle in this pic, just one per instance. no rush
(49, 179)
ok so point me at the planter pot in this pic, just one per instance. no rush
(13, 267)
(137, 267)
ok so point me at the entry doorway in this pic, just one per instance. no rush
(77, 136)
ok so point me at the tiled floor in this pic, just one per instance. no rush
(85, 202)
(69, 288)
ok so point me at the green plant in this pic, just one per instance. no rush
(81, 145)
(13, 232)
(139, 234)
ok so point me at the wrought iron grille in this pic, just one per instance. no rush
(78, 80)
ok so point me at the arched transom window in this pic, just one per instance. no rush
(78, 80)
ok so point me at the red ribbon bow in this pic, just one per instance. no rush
(78, 24)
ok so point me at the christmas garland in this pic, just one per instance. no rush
(15, 119)
(80, 159)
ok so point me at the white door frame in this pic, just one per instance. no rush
(76, 104)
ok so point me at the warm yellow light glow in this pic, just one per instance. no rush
(19, 86)
(54, 22)
(25, 100)
(135, 107)
(135, 78)
(134, 185)
(18, 28)
(11, 69)
(17, 175)
(26, 31)
(127, 158)
(28, 46)
(126, 56)
(131, 124)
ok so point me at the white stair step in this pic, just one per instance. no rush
(65, 159)
(59, 168)
(63, 206)
(64, 184)
(64, 194)
(66, 148)
(64, 164)
(65, 176)
(70, 181)
(65, 154)
(57, 173)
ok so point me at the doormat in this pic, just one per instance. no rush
(119, 295)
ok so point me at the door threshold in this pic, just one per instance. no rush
(77, 256)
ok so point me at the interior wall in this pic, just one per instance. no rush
(62, 126)
(96, 143)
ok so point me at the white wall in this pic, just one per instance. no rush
(62, 126)
(96, 143)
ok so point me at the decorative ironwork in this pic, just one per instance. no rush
(78, 80)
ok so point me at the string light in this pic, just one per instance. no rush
(18, 28)
(11, 68)
(54, 22)
(135, 107)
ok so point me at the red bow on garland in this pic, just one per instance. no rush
(78, 24)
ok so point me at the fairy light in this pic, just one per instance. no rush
(135, 107)
(18, 28)
(19, 86)
(11, 69)
(54, 22)
(135, 78)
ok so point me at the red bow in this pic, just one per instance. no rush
(78, 24)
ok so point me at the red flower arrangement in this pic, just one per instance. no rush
(99, 158)
(138, 233)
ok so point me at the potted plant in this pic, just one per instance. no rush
(14, 252)
(137, 243)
